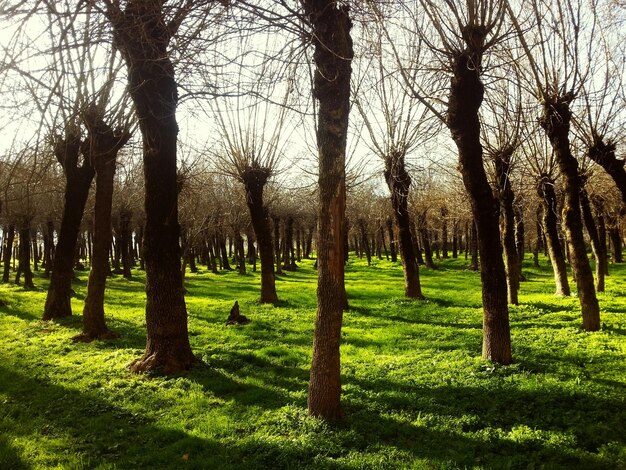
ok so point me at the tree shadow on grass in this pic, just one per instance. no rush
(594, 421)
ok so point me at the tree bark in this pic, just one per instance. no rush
(9, 238)
(550, 229)
(603, 153)
(142, 35)
(556, 122)
(77, 183)
(330, 33)
(104, 144)
(505, 192)
(598, 253)
(399, 182)
(466, 95)
(24, 256)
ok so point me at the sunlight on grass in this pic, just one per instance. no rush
(416, 393)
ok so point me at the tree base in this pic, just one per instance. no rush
(171, 362)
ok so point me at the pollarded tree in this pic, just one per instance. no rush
(463, 33)
(557, 68)
(397, 125)
(329, 26)
(252, 144)
(142, 32)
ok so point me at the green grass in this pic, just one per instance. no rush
(415, 390)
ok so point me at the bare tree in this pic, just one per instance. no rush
(558, 67)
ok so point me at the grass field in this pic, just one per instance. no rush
(416, 392)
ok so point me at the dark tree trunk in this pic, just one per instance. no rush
(309, 242)
(539, 239)
(142, 34)
(223, 251)
(102, 152)
(502, 160)
(240, 252)
(299, 244)
(399, 182)
(24, 257)
(416, 246)
(598, 252)
(603, 153)
(616, 242)
(289, 255)
(551, 231)
(556, 123)
(279, 268)
(77, 183)
(254, 180)
(126, 240)
(330, 34)
(48, 248)
(467, 240)
(428, 252)
(9, 238)
(466, 95)
(35, 249)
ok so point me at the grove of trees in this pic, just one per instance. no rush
(219, 133)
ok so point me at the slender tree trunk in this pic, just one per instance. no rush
(48, 248)
(105, 144)
(474, 262)
(78, 181)
(556, 122)
(598, 253)
(279, 268)
(466, 95)
(8, 251)
(616, 240)
(126, 240)
(141, 33)
(24, 256)
(399, 182)
(330, 24)
(512, 264)
(599, 208)
(444, 232)
(519, 239)
(550, 229)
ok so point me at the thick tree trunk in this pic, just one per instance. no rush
(466, 95)
(556, 122)
(78, 182)
(141, 33)
(399, 182)
(512, 264)
(616, 242)
(550, 229)
(330, 23)
(102, 152)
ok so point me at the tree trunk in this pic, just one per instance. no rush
(444, 232)
(24, 256)
(9, 238)
(556, 123)
(48, 248)
(141, 33)
(330, 23)
(474, 262)
(105, 144)
(279, 268)
(599, 208)
(399, 182)
(616, 243)
(466, 95)
(550, 229)
(603, 153)
(77, 183)
(519, 238)
(126, 241)
(503, 167)
(598, 252)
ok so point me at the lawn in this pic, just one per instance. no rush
(415, 390)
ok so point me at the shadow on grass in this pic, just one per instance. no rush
(594, 421)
